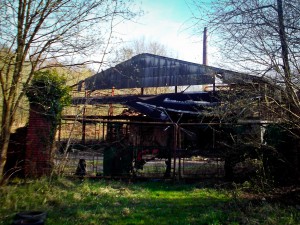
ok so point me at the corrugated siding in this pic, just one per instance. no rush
(147, 70)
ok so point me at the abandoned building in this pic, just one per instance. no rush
(156, 116)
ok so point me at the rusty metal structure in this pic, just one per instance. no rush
(172, 134)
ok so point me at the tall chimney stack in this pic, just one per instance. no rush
(205, 46)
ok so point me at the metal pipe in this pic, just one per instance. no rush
(100, 120)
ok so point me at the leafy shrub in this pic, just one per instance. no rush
(49, 91)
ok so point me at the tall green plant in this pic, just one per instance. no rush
(49, 92)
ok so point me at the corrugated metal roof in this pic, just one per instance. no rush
(148, 70)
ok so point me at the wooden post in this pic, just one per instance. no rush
(83, 121)
(59, 131)
(174, 149)
(179, 157)
(111, 108)
(103, 131)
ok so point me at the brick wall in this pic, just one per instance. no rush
(38, 144)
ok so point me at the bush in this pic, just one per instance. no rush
(280, 154)
(49, 91)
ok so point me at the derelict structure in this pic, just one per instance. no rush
(169, 133)
(148, 70)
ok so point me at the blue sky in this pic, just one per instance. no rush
(164, 21)
(176, 10)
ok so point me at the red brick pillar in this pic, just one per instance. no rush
(38, 143)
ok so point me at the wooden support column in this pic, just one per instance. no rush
(83, 121)
(59, 131)
(111, 107)
(103, 131)
(214, 84)
(179, 147)
(175, 135)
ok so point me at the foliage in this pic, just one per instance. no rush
(48, 95)
(278, 153)
(49, 91)
(61, 31)
(109, 202)
(142, 45)
(260, 38)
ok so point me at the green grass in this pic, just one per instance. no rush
(110, 202)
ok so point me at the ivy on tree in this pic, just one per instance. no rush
(49, 92)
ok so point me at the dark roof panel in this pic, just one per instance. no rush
(148, 70)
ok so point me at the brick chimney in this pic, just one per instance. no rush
(205, 46)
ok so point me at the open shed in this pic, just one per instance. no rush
(182, 132)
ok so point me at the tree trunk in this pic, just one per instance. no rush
(293, 99)
(5, 136)
(291, 95)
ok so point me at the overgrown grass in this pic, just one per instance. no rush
(110, 202)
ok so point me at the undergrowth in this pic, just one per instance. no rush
(110, 202)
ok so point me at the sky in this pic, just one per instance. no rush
(166, 22)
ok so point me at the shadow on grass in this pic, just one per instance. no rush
(109, 202)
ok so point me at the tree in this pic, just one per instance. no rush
(139, 46)
(33, 31)
(261, 37)
(142, 45)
